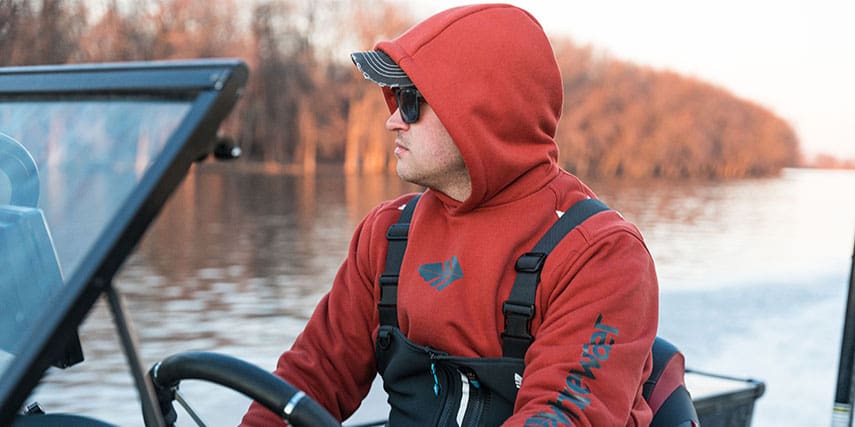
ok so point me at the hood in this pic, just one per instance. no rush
(489, 73)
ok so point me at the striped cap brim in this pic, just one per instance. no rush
(380, 68)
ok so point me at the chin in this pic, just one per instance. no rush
(402, 172)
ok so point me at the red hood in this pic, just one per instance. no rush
(489, 73)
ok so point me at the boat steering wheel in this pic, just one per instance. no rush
(267, 389)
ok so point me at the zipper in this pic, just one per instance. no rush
(474, 400)
(477, 400)
(480, 406)
(441, 377)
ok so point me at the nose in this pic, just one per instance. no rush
(395, 122)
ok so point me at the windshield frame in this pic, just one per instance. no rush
(213, 86)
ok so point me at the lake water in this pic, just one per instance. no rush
(753, 277)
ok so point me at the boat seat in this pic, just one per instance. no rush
(31, 273)
(29, 265)
(665, 390)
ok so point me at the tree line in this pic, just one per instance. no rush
(304, 106)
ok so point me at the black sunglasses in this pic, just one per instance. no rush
(408, 99)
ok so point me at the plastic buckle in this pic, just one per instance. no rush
(398, 231)
(388, 279)
(516, 337)
(524, 310)
(530, 262)
(388, 288)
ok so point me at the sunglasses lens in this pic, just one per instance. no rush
(408, 103)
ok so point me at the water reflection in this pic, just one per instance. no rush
(718, 234)
(237, 261)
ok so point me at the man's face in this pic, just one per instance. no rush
(427, 155)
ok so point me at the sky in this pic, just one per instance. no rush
(794, 57)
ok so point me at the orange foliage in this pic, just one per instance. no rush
(623, 120)
(304, 107)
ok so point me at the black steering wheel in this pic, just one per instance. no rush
(270, 391)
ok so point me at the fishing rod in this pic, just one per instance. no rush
(841, 415)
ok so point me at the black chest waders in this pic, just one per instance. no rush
(428, 387)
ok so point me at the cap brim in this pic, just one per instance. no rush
(380, 68)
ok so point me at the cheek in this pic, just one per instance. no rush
(449, 148)
(452, 154)
(440, 140)
(447, 154)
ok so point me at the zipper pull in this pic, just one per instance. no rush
(435, 379)
(436, 387)
(472, 378)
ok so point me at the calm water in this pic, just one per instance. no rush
(753, 277)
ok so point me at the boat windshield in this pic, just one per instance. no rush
(88, 155)
(68, 165)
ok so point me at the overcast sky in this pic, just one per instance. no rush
(795, 57)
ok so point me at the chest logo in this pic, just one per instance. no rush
(441, 274)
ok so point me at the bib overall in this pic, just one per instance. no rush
(428, 387)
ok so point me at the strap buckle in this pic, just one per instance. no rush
(525, 310)
(398, 231)
(388, 280)
(530, 262)
(516, 337)
(518, 320)
(388, 289)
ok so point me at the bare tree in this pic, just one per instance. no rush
(44, 32)
(305, 104)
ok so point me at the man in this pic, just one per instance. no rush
(475, 95)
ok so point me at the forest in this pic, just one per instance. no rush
(306, 106)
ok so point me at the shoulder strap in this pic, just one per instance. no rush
(397, 237)
(519, 307)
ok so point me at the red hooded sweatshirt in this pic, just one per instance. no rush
(489, 73)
